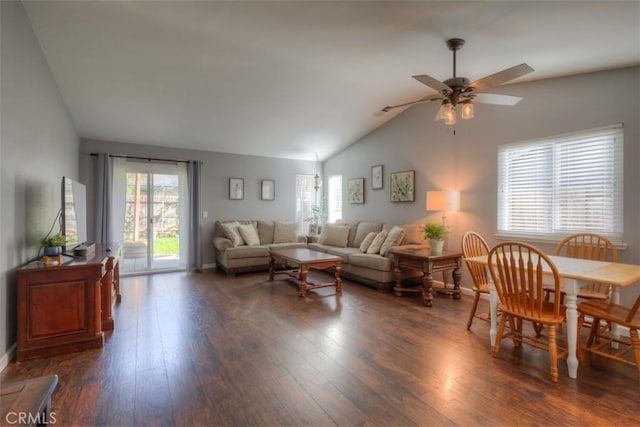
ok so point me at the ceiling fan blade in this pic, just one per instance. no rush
(501, 77)
(496, 99)
(433, 83)
(408, 104)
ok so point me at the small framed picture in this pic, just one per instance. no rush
(403, 186)
(355, 190)
(236, 188)
(376, 177)
(268, 189)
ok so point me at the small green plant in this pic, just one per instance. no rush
(53, 241)
(434, 231)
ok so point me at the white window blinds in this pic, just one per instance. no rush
(556, 186)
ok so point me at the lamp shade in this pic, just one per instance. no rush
(445, 201)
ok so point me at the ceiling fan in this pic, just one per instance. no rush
(458, 90)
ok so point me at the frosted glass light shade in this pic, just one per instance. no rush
(444, 201)
(467, 110)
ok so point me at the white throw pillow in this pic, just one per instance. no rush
(231, 232)
(375, 246)
(285, 232)
(249, 234)
(334, 235)
(366, 242)
(394, 238)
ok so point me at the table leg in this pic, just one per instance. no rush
(338, 279)
(570, 287)
(493, 312)
(615, 329)
(398, 273)
(427, 289)
(302, 289)
(272, 267)
(116, 280)
(456, 283)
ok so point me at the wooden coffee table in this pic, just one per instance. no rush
(302, 260)
(422, 260)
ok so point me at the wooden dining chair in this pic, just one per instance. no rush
(474, 245)
(517, 272)
(593, 247)
(599, 339)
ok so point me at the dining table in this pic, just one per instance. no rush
(574, 273)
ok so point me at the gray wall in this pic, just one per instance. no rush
(466, 161)
(38, 145)
(216, 170)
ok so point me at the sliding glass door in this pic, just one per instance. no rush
(155, 218)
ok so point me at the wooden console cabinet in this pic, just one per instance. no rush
(65, 308)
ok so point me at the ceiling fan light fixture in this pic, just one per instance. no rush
(450, 117)
(443, 111)
(467, 110)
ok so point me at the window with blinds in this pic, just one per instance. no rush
(552, 187)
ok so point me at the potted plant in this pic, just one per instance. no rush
(435, 232)
(53, 244)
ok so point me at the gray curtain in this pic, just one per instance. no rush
(194, 179)
(103, 179)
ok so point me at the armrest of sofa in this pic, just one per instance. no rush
(222, 243)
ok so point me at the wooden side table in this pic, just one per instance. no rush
(422, 260)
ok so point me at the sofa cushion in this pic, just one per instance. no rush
(353, 226)
(265, 232)
(413, 233)
(375, 246)
(394, 238)
(318, 247)
(249, 234)
(334, 235)
(343, 253)
(231, 232)
(367, 241)
(363, 230)
(372, 261)
(285, 232)
(247, 252)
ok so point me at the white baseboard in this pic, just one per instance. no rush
(8, 356)
(210, 266)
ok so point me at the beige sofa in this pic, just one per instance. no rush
(372, 269)
(238, 256)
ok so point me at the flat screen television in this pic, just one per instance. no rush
(74, 213)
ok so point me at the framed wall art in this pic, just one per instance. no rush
(268, 189)
(403, 186)
(376, 177)
(355, 190)
(236, 188)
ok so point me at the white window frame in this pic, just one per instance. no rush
(552, 187)
(305, 199)
(334, 198)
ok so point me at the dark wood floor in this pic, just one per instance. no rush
(207, 349)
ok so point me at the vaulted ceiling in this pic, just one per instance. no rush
(287, 79)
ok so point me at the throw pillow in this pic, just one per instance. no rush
(363, 230)
(366, 242)
(249, 234)
(230, 230)
(394, 238)
(334, 235)
(375, 246)
(285, 232)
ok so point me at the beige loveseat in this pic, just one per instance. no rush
(234, 254)
(371, 267)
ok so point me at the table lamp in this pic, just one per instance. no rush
(444, 201)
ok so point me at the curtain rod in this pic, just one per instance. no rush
(144, 158)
